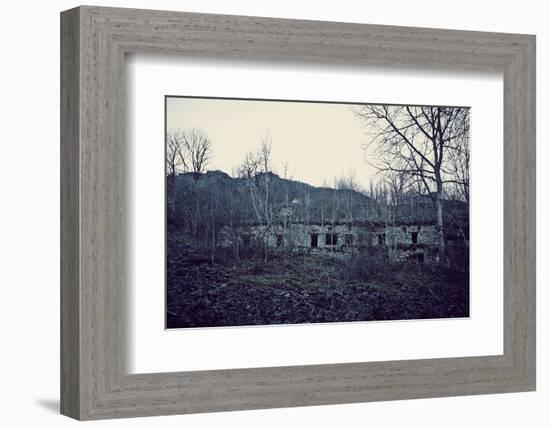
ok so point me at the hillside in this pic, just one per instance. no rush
(295, 199)
(302, 202)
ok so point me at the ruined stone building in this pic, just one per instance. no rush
(297, 217)
(408, 233)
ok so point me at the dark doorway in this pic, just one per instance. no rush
(314, 240)
(414, 237)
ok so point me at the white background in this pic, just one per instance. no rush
(29, 234)
(153, 349)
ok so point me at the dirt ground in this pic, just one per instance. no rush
(307, 289)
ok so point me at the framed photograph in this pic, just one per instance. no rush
(342, 212)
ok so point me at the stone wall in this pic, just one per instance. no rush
(401, 242)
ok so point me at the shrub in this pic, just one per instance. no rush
(366, 266)
(253, 250)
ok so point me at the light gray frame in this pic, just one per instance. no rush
(94, 41)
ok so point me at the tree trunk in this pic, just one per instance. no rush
(196, 216)
(213, 248)
(171, 191)
(265, 239)
(439, 226)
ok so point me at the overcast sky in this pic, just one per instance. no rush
(320, 141)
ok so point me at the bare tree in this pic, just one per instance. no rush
(175, 153)
(288, 213)
(213, 208)
(187, 150)
(459, 161)
(418, 142)
(198, 149)
(233, 209)
(397, 183)
(175, 162)
(256, 170)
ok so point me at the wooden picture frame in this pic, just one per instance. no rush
(94, 382)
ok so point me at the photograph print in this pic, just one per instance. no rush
(292, 212)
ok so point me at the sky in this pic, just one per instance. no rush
(318, 141)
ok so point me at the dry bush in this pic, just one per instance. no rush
(366, 267)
